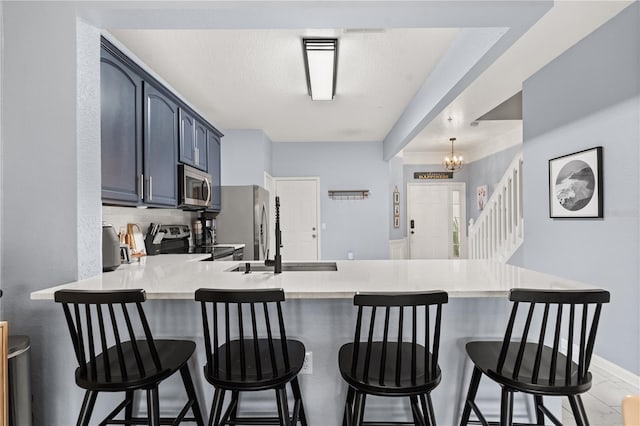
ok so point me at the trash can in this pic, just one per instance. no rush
(19, 381)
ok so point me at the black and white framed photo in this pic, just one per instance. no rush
(575, 185)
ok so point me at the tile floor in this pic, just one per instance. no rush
(603, 402)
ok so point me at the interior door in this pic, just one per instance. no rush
(435, 220)
(299, 218)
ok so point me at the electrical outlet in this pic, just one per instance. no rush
(307, 365)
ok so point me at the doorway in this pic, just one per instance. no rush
(299, 217)
(436, 218)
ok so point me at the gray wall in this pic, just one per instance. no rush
(590, 96)
(486, 171)
(44, 146)
(246, 155)
(359, 226)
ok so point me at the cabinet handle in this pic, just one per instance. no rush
(141, 186)
(150, 188)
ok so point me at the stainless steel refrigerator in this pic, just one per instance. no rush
(244, 219)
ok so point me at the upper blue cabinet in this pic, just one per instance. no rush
(193, 141)
(146, 130)
(160, 147)
(121, 131)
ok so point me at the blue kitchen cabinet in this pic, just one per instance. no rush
(193, 141)
(121, 131)
(213, 138)
(160, 147)
(201, 151)
(187, 138)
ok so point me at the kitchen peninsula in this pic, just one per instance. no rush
(320, 313)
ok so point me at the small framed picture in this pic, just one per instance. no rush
(575, 185)
(396, 210)
(396, 221)
(396, 197)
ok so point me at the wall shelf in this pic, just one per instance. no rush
(348, 194)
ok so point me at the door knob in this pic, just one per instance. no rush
(313, 235)
(313, 229)
(412, 232)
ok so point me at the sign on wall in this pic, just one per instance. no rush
(433, 175)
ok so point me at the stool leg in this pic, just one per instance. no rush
(347, 418)
(216, 407)
(418, 417)
(235, 399)
(427, 407)
(506, 408)
(358, 410)
(191, 393)
(579, 414)
(283, 407)
(153, 406)
(298, 396)
(471, 395)
(128, 411)
(87, 408)
(539, 415)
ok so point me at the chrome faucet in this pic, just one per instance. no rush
(277, 260)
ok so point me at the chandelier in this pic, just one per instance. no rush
(454, 162)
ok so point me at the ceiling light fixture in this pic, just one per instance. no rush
(321, 64)
(455, 162)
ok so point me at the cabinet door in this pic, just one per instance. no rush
(187, 138)
(160, 147)
(201, 152)
(121, 131)
(214, 170)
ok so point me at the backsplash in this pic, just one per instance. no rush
(119, 217)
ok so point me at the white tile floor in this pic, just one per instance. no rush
(603, 401)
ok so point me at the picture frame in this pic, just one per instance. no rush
(396, 210)
(481, 193)
(576, 186)
(396, 222)
(396, 197)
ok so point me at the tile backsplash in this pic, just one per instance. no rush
(119, 217)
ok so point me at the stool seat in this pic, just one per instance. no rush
(485, 356)
(173, 354)
(255, 379)
(390, 383)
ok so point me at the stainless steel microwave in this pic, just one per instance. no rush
(194, 188)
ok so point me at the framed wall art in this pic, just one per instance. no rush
(575, 185)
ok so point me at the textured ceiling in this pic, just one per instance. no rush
(254, 79)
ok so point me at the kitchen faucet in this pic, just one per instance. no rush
(277, 260)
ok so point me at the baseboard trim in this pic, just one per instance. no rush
(615, 370)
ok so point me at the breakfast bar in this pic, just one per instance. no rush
(319, 312)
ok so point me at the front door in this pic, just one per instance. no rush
(299, 218)
(436, 220)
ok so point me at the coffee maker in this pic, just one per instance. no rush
(204, 230)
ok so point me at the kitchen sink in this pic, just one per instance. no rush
(287, 267)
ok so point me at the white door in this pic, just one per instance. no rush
(436, 220)
(299, 218)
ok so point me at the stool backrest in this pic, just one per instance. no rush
(221, 302)
(92, 329)
(578, 329)
(417, 304)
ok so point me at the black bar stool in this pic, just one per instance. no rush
(531, 366)
(249, 362)
(392, 366)
(100, 320)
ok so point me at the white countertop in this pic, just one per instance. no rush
(177, 276)
(234, 246)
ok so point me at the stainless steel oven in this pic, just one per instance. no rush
(194, 187)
